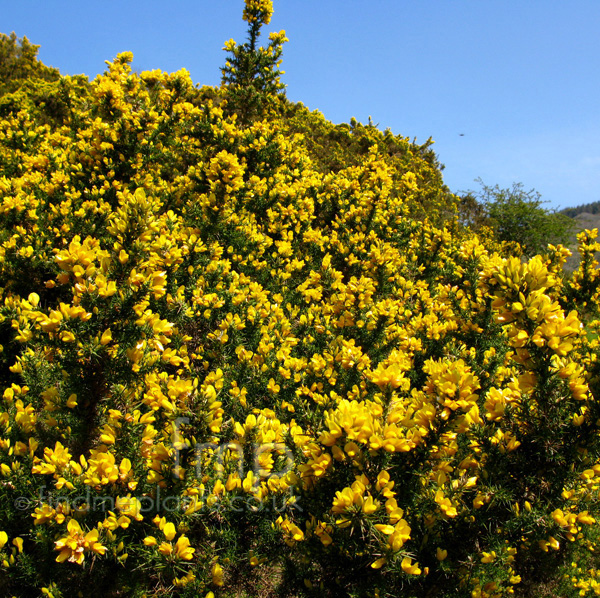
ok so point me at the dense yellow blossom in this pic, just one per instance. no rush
(274, 332)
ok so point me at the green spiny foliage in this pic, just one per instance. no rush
(251, 74)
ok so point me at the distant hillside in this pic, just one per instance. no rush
(585, 216)
(588, 208)
(583, 220)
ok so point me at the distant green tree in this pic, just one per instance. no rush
(19, 62)
(517, 215)
(251, 74)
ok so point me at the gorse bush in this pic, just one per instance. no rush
(222, 362)
(19, 63)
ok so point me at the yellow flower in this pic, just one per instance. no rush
(400, 535)
(75, 544)
(106, 337)
(409, 567)
(229, 45)
(56, 460)
(585, 517)
(217, 575)
(43, 514)
(101, 469)
(379, 563)
(169, 531)
(130, 506)
(183, 550)
(258, 11)
(392, 375)
(445, 504)
(370, 506)
(67, 336)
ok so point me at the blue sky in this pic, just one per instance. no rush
(518, 78)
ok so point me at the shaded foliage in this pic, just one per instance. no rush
(19, 62)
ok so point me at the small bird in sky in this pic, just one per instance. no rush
(461, 134)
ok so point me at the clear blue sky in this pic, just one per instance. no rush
(519, 78)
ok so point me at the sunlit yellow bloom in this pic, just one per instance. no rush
(183, 550)
(409, 567)
(169, 531)
(74, 546)
(217, 575)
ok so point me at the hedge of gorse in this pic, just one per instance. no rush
(221, 361)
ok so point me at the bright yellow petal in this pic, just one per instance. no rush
(169, 531)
